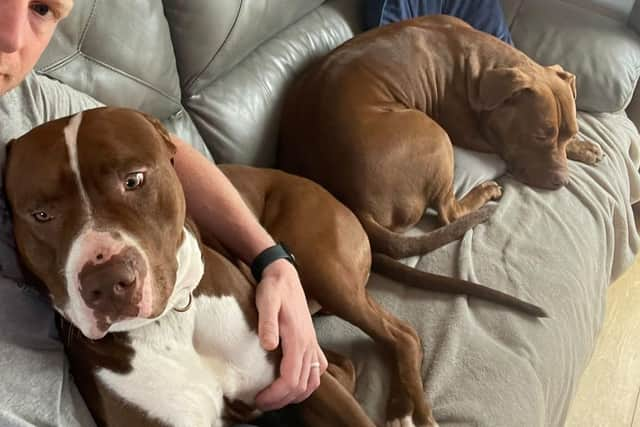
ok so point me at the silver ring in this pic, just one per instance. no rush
(314, 365)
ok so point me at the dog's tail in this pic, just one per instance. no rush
(398, 246)
(395, 270)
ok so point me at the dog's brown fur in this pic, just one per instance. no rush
(373, 122)
(332, 250)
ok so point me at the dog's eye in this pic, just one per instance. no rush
(133, 181)
(42, 216)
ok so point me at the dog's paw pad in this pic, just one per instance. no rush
(587, 152)
(493, 189)
(597, 153)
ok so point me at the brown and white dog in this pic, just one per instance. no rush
(168, 325)
(374, 120)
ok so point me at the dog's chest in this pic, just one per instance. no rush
(185, 363)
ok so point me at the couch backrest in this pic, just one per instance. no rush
(234, 60)
(234, 94)
(120, 52)
(216, 71)
(590, 38)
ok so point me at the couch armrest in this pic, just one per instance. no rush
(588, 39)
(633, 110)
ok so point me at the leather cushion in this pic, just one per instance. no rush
(100, 50)
(600, 50)
(211, 37)
(238, 113)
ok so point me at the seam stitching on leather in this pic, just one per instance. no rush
(130, 76)
(598, 10)
(82, 36)
(516, 15)
(215, 55)
(59, 63)
(85, 30)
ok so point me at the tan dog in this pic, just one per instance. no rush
(373, 122)
(169, 325)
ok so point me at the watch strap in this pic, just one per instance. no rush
(266, 257)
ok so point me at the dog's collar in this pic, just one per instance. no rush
(189, 274)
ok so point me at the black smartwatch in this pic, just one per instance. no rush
(266, 257)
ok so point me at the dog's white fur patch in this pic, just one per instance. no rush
(206, 353)
(169, 380)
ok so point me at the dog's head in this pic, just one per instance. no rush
(529, 115)
(99, 217)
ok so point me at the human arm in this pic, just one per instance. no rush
(218, 210)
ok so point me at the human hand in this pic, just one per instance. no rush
(283, 314)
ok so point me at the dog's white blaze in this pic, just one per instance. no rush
(71, 140)
(205, 353)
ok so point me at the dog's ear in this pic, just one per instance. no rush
(500, 84)
(566, 76)
(164, 133)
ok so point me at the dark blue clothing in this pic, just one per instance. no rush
(484, 15)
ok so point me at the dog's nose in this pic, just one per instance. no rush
(110, 285)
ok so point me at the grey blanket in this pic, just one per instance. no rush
(485, 365)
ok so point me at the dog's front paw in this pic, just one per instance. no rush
(409, 422)
(492, 189)
(401, 422)
(584, 151)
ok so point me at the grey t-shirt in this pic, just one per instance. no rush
(35, 384)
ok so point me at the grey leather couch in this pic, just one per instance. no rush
(215, 73)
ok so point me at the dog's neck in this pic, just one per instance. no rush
(190, 271)
(188, 276)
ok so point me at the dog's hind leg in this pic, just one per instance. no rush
(400, 345)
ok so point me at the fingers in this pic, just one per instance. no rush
(286, 388)
(284, 316)
(286, 391)
(322, 359)
(313, 382)
(268, 327)
(315, 373)
(308, 366)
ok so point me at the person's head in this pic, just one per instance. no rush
(26, 26)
